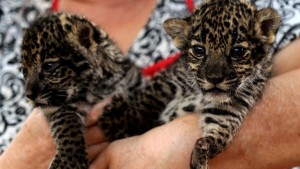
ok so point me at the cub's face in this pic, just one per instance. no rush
(224, 41)
(54, 65)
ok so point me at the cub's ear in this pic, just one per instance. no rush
(267, 22)
(85, 36)
(179, 30)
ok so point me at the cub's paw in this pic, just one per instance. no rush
(113, 120)
(117, 104)
(200, 154)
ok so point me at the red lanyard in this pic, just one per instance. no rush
(54, 6)
(191, 5)
(151, 70)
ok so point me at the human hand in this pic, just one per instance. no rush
(158, 148)
(94, 137)
(33, 147)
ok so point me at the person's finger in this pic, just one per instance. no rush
(95, 150)
(96, 111)
(94, 135)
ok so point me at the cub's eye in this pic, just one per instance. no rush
(49, 66)
(24, 71)
(237, 51)
(198, 50)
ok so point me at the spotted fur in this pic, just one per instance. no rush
(69, 65)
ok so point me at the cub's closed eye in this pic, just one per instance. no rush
(24, 71)
(198, 50)
(238, 51)
(49, 66)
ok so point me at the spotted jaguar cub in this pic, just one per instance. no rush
(69, 65)
(227, 45)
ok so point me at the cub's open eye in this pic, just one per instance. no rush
(198, 50)
(49, 66)
(237, 52)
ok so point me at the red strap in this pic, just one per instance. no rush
(54, 6)
(157, 67)
(190, 4)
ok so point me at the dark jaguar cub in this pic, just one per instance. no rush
(69, 65)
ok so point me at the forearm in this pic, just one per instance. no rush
(269, 137)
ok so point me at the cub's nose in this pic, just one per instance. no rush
(215, 77)
(215, 80)
(32, 88)
(30, 93)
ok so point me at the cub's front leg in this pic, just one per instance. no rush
(123, 118)
(218, 125)
(67, 129)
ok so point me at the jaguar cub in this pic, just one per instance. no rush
(227, 44)
(69, 65)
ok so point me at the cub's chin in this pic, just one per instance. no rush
(216, 95)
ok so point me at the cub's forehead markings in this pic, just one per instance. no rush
(38, 59)
(197, 33)
(195, 42)
(244, 44)
(52, 59)
(64, 19)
